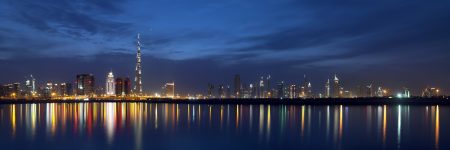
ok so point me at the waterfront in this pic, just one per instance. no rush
(139, 125)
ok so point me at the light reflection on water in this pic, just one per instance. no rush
(109, 125)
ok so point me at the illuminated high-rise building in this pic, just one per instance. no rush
(431, 92)
(293, 91)
(306, 88)
(30, 85)
(379, 92)
(11, 90)
(369, 90)
(169, 90)
(309, 90)
(253, 91)
(110, 85)
(85, 85)
(138, 78)
(261, 88)
(269, 91)
(336, 87)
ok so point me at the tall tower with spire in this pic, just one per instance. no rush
(138, 78)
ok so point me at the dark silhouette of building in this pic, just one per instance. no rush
(221, 91)
(280, 89)
(210, 90)
(85, 84)
(123, 86)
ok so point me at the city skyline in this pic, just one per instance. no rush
(85, 85)
(374, 46)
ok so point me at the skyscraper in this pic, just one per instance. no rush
(336, 87)
(119, 87)
(30, 86)
(309, 90)
(123, 87)
(228, 93)
(65, 89)
(237, 86)
(293, 91)
(138, 78)
(221, 91)
(280, 89)
(269, 92)
(261, 88)
(85, 84)
(127, 86)
(110, 85)
(169, 90)
(210, 90)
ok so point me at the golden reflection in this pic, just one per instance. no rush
(221, 116)
(436, 129)
(189, 115)
(210, 115)
(33, 119)
(303, 120)
(237, 116)
(261, 120)
(13, 119)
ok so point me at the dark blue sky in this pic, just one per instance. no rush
(394, 43)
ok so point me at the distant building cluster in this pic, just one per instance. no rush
(332, 88)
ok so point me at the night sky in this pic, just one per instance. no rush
(393, 43)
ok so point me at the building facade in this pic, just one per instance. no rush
(85, 85)
(110, 85)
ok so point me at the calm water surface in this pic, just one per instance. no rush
(228, 127)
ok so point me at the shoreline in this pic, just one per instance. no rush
(329, 101)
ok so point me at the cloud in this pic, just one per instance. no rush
(77, 19)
